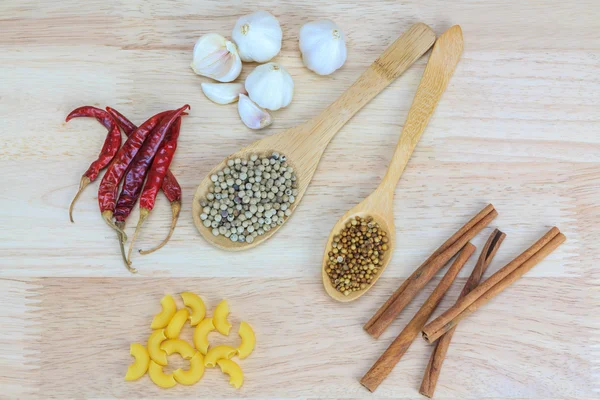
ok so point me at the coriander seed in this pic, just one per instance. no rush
(355, 255)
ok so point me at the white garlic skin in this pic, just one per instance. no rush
(252, 115)
(270, 86)
(223, 93)
(217, 58)
(323, 46)
(258, 37)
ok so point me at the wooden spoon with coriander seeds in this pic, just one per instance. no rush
(379, 205)
(304, 145)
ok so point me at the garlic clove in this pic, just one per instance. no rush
(323, 46)
(252, 115)
(223, 93)
(217, 58)
(258, 36)
(270, 86)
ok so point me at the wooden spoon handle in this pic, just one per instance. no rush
(400, 55)
(440, 67)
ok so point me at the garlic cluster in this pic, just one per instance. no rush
(323, 46)
(270, 86)
(258, 37)
(216, 58)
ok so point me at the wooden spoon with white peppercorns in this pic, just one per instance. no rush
(379, 205)
(304, 145)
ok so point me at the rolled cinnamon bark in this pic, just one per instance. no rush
(409, 289)
(384, 365)
(493, 285)
(438, 355)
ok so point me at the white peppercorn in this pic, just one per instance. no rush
(248, 197)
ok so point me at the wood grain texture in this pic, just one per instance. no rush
(517, 127)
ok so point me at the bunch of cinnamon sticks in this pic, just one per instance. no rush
(473, 295)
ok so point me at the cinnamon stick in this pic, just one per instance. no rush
(384, 365)
(493, 285)
(438, 355)
(409, 289)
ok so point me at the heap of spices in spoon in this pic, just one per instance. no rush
(249, 197)
(356, 255)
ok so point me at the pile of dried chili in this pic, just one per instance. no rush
(142, 164)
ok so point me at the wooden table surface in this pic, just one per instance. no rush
(517, 127)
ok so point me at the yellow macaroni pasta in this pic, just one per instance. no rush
(195, 303)
(159, 377)
(217, 353)
(236, 376)
(174, 328)
(140, 365)
(248, 340)
(168, 310)
(220, 318)
(156, 354)
(182, 347)
(193, 374)
(201, 335)
(164, 341)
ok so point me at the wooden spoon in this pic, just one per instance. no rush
(380, 204)
(304, 145)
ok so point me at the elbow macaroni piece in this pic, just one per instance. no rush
(218, 353)
(183, 348)
(174, 327)
(168, 310)
(192, 375)
(220, 318)
(201, 335)
(159, 377)
(236, 376)
(248, 340)
(195, 303)
(156, 353)
(140, 365)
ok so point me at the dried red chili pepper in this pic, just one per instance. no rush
(170, 186)
(109, 149)
(134, 179)
(155, 178)
(133, 184)
(109, 186)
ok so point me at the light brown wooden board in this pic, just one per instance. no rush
(518, 127)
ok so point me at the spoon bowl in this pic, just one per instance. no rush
(262, 147)
(304, 145)
(379, 204)
(383, 216)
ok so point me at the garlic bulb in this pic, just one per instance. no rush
(252, 115)
(216, 58)
(270, 86)
(258, 36)
(323, 46)
(223, 93)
